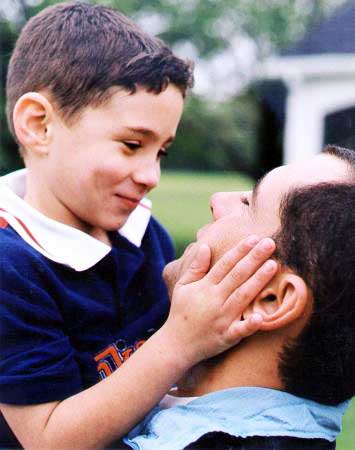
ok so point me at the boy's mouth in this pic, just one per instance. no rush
(128, 202)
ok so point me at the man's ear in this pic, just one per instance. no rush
(281, 303)
(32, 118)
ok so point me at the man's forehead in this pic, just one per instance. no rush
(255, 190)
(321, 168)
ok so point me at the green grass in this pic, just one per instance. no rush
(346, 440)
(181, 204)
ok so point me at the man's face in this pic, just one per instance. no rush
(102, 165)
(239, 214)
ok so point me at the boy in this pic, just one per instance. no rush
(94, 103)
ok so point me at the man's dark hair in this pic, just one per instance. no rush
(345, 154)
(317, 241)
(77, 51)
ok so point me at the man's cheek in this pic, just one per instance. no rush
(170, 275)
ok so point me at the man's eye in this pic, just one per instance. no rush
(245, 201)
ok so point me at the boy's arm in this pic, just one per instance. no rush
(204, 320)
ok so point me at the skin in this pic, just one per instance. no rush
(90, 174)
(236, 214)
(95, 172)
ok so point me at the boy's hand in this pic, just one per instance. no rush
(206, 308)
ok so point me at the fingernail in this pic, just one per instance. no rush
(253, 240)
(270, 265)
(267, 244)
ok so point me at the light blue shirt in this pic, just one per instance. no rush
(240, 412)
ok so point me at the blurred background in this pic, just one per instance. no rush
(274, 82)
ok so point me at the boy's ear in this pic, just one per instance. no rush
(282, 302)
(32, 118)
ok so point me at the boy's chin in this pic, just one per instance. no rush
(115, 223)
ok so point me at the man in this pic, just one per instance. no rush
(286, 386)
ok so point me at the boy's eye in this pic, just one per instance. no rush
(162, 152)
(132, 145)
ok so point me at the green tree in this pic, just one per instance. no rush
(9, 158)
(217, 135)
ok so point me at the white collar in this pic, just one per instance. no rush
(57, 241)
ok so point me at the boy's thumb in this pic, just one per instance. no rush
(199, 265)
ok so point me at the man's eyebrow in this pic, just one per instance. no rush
(148, 133)
(254, 194)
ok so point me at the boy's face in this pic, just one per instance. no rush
(99, 168)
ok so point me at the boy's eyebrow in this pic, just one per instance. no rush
(148, 132)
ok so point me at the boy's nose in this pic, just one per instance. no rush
(223, 203)
(148, 175)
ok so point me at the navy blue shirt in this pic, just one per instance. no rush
(62, 330)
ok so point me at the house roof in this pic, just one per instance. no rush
(333, 35)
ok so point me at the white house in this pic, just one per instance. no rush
(319, 76)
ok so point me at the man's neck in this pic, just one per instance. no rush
(254, 362)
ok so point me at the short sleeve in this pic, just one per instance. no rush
(36, 358)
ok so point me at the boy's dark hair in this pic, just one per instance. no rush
(317, 241)
(77, 51)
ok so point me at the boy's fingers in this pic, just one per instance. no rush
(240, 329)
(198, 267)
(248, 266)
(245, 294)
(231, 258)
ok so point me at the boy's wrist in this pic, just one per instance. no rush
(178, 354)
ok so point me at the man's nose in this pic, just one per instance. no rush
(223, 203)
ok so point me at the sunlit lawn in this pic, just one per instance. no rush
(181, 204)
(346, 440)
